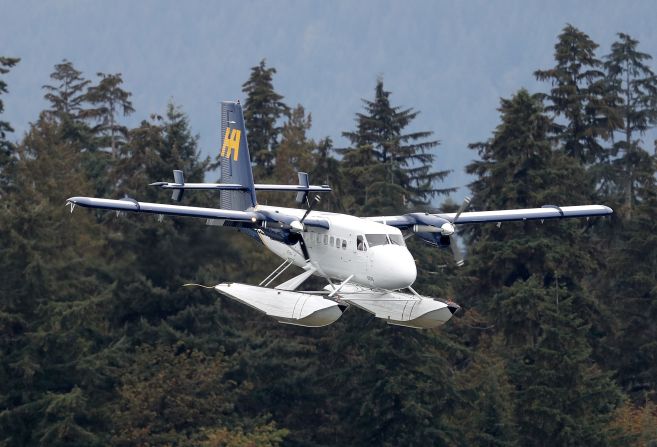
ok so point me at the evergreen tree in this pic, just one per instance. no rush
(389, 386)
(6, 146)
(389, 170)
(295, 152)
(6, 63)
(162, 251)
(527, 279)
(262, 110)
(519, 168)
(172, 395)
(487, 416)
(632, 287)
(326, 171)
(68, 95)
(579, 98)
(109, 99)
(68, 106)
(635, 84)
(561, 398)
(52, 288)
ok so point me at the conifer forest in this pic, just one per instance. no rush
(555, 343)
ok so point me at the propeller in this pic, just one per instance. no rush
(294, 226)
(311, 205)
(448, 229)
(302, 243)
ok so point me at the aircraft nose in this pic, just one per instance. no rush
(391, 267)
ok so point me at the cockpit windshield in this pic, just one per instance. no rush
(384, 239)
(376, 239)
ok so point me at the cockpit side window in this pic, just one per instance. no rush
(360, 243)
(397, 239)
(376, 239)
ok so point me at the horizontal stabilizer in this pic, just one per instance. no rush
(238, 187)
(297, 308)
(402, 309)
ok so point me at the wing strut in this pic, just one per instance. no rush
(344, 283)
(276, 273)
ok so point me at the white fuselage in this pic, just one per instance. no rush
(374, 253)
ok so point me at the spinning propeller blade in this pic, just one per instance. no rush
(453, 245)
(458, 256)
(302, 243)
(315, 201)
(463, 207)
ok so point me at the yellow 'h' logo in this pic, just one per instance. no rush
(231, 143)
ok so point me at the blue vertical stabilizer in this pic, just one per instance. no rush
(235, 159)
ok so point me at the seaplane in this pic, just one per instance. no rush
(364, 260)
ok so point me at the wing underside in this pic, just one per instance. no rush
(247, 218)
(474, 217)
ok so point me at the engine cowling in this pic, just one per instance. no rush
(433, 230)
(435, 239)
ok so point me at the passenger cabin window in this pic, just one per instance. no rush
(332, 241)
(344, 244)
(325, 239)
(360, 243)
(337, 243)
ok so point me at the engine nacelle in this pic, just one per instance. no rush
(433, 230)
(435, 239)
(284, 236)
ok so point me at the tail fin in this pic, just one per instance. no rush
(235, 159)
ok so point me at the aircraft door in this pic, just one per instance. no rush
(361, 263)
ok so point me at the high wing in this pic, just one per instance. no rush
(438, 229)
(407, 221)
(241, 218)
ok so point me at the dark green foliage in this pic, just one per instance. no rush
(108, 99)
(172, 395)
(295, 152)
(101, 345)
(394, 386)
(635, 84)
(560, 398)
(6, 63)
(579, 97)
(528, 279)
(68, 95)
(6, 146)
(520, 168)
(389, 170)
(633, 286)
(262, 109)
(51, 288)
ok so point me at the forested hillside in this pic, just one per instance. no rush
(556, 342)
